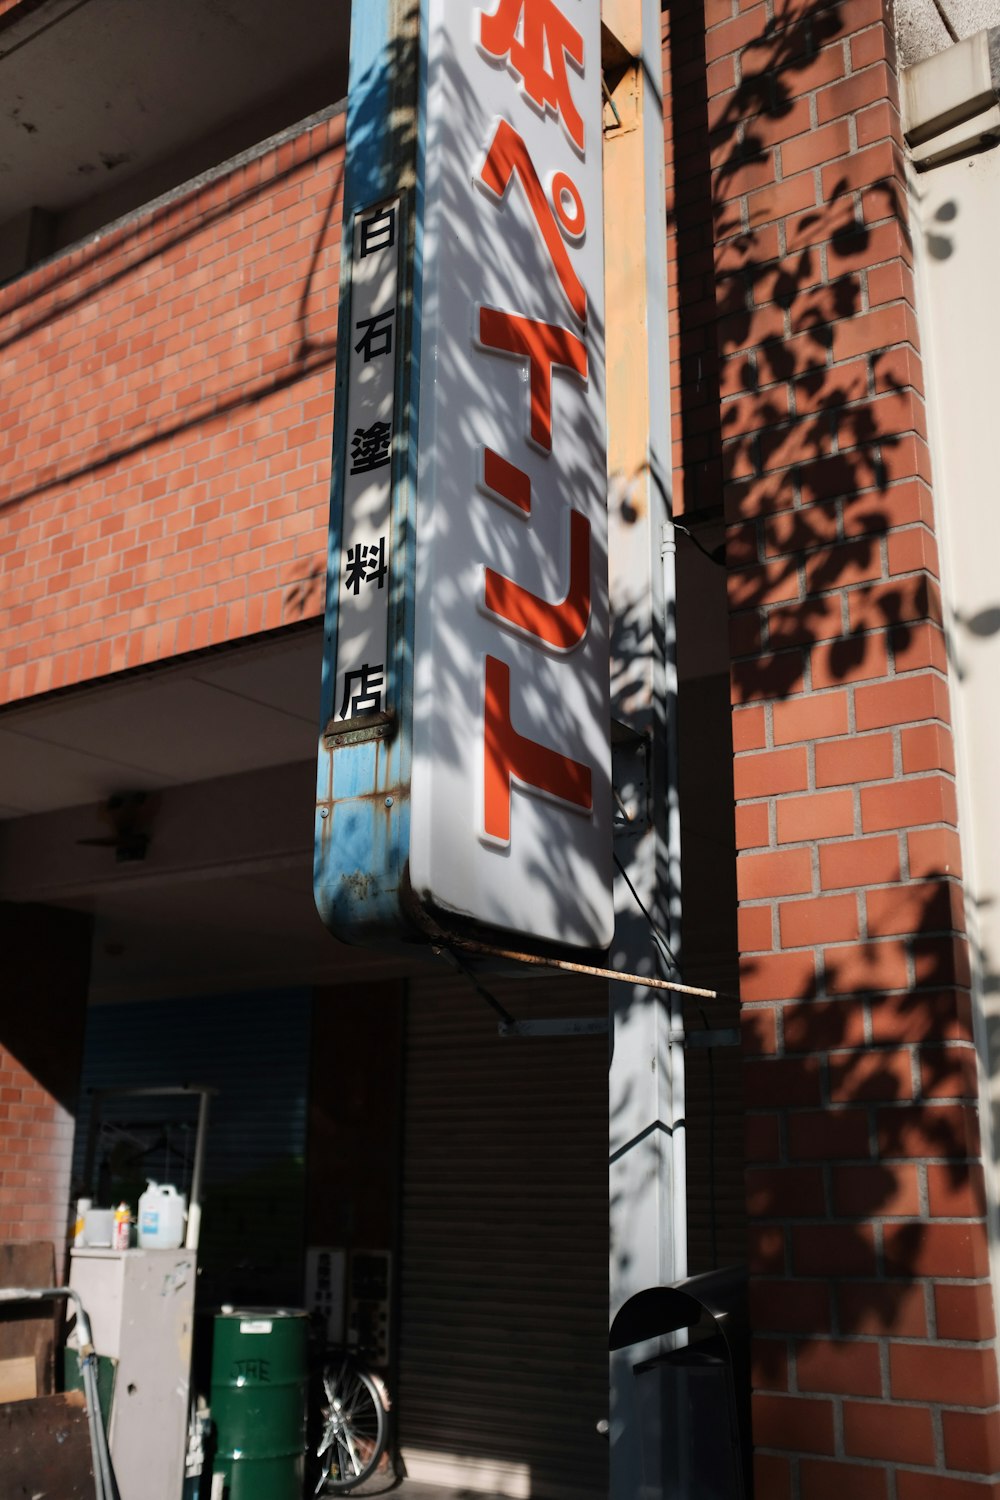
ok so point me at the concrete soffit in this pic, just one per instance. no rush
(951, 101)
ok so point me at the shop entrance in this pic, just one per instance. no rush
(343, 1112)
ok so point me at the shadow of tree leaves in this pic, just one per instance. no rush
(792, 435)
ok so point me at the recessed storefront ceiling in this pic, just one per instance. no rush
(97, 91)
(226, 745)
(219, 715)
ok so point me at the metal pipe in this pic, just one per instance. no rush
(93, 1422)
(105, 1484)
(41, 1294)
(103, 1480)
(616, 976)
(198, 1172)
(668, 551)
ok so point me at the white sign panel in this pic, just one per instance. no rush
(363, 612)
(511, 805)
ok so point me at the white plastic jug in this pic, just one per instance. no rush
(162, 1211)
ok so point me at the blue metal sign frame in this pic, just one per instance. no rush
(363, 782)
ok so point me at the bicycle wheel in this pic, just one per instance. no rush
(355, 1430)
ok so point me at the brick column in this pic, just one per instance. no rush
(44, 968)
(873, 1371)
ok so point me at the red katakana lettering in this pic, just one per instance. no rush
(546, 38)
(562, 625)
(506, 480)
(508, 754)
(547, 347)
(508, 154)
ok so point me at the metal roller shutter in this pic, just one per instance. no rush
(503, 1328)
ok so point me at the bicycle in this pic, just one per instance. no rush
(353, 1426)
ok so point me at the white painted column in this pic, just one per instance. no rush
(647, 1203)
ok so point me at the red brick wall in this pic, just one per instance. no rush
(166, 425)
(799, 408)
(46, 963)
(36, 1146)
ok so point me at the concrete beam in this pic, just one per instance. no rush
(951, 87)
(623, 19)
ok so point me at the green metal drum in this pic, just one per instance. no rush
(259, 1374)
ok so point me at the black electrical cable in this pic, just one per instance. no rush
(671, 960)
(491, 1000)
(945, 20)
(664, 947)
(658, 937)
(717, 554)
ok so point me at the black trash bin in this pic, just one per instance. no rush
(692, 1401)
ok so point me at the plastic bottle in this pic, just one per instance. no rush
(123, 1221)
(83, 1205)
(162, 1210)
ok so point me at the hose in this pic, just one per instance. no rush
(93, 1422)
(108, 1489)
(105, 1484)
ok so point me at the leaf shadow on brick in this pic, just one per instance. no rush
(867, 1068)
(303, 595)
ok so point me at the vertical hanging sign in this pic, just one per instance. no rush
(366, 544)
(488, 801)
(511, 782)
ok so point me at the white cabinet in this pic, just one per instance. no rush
(141, 1309)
